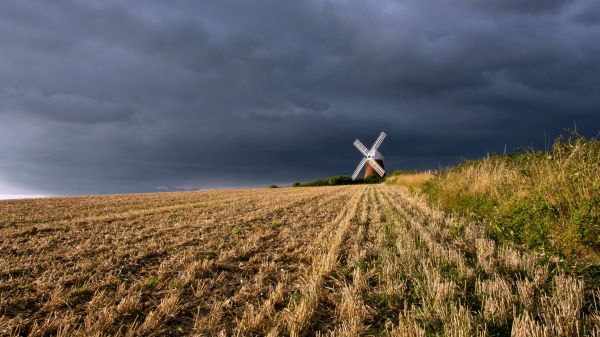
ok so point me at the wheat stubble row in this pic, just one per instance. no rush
(59, 280)
(341, 261)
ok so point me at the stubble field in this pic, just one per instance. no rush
(345, 261)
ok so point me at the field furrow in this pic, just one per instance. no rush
(362, 260)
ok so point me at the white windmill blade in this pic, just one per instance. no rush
(363, 149)
(377, 143)
(375, 165)
(358, 168)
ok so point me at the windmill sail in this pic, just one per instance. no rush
(377, 143)
(375, 165)
(358, 168)
(363, 149)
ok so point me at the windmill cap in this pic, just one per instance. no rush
(377, 156)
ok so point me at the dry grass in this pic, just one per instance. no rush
(331, 261)
(409, 180)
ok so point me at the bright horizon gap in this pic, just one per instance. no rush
(24, 196)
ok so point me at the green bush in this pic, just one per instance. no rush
(273, 186)
(373, 179)
(341, 180)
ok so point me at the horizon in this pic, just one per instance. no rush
(161, 189)
(146, 96)
(280, 184)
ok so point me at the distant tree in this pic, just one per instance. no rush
(373, 179)
(340, 180)
(273, 186)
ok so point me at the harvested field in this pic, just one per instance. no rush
(344, 261)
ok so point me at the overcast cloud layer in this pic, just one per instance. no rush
(113, 96)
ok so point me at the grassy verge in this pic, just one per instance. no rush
(547, 201)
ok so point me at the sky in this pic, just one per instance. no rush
(145, 96)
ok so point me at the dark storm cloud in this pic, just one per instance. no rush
(106, 96)
(521, 7)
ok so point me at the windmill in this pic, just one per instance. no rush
(372, 158)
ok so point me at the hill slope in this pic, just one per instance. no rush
(549, 201)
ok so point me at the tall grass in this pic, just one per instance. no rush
(412, 180)
(546, 200)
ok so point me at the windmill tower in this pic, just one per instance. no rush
(372, 158)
